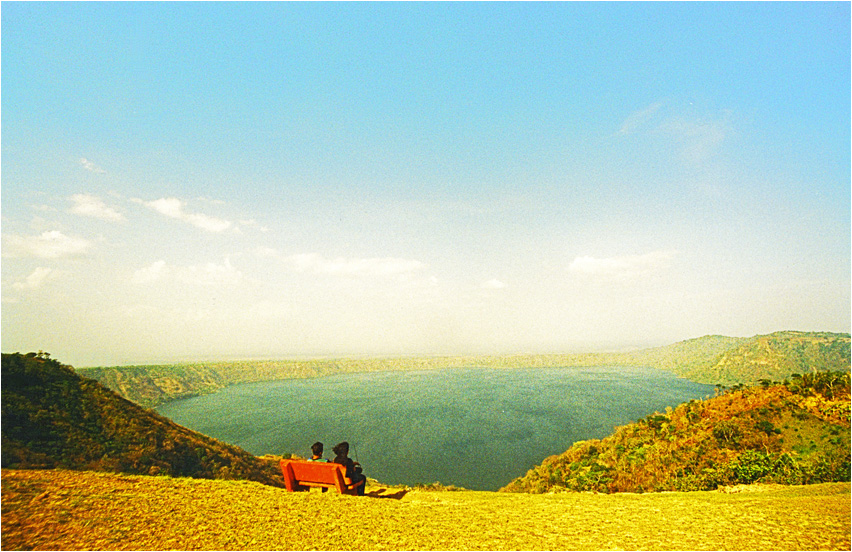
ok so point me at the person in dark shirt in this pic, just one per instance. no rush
(316, 450)
(353, 469)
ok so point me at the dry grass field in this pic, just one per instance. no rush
(65, 510)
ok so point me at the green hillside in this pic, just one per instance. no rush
(53, 418)
(796, 433)
(710, 359)
(774, 357)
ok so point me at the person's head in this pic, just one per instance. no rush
(316, 448)
(341, 449)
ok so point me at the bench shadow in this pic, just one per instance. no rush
(380, 494)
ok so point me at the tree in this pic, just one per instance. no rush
(728, 434)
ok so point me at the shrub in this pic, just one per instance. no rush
(750, 466)
(728, 434)
(766, 427)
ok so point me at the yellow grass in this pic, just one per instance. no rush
(67, 510)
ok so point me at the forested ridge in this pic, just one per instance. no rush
(54, 418)
(710, 359)
(792, 433)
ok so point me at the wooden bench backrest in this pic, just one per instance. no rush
(326, 473)
(316, 472)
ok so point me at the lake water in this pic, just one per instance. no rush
(474, 428)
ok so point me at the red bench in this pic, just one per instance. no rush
(299, 475)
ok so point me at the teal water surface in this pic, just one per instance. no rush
(475, 428)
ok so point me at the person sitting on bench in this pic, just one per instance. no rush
(316, 450)
(353, 469)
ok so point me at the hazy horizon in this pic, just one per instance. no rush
(198, 181)
(591, 348)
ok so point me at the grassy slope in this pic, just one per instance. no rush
(86, 510)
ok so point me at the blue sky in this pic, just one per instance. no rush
(197, 181)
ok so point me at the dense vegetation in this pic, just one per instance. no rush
(709, 359)
(793, 433)
(53, 418)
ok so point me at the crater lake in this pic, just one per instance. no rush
(475, 428)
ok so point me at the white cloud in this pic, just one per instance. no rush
(315, 263)
(493, 284)
(174, 208)
(621, 269)
(211, 274)
(171, 207)
(36, 279)
(150, 274)
(45, 208)
(48, 245)
(211, 224)
(267, 252)
(699, 139)
(90, 166)
(638, 119)
(92, 206)
(205, 275)
(696, 136)
(251, 223)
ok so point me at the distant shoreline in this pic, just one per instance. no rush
(715, 360)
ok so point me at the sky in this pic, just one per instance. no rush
(203, 181)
